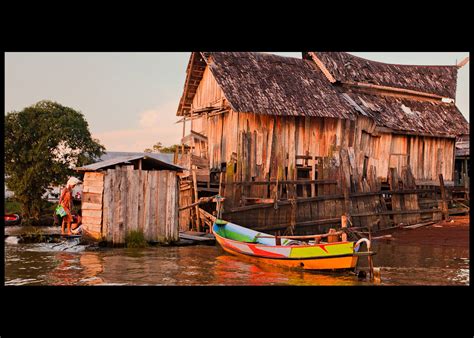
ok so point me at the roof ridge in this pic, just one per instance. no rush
(394, 64)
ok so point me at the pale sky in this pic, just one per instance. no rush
(130, 99)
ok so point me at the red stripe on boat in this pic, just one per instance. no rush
(323, 246)
(264, 253)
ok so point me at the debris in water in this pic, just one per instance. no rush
(11, 240)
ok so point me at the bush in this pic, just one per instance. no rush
(12, 206)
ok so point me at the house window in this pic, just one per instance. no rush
(364, 169)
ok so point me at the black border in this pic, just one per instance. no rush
(343, 310)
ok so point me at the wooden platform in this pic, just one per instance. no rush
(197, 237)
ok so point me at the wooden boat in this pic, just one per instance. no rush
(12, 219)
(287, 252)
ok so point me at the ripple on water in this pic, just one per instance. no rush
(22, 281)
(36, 264)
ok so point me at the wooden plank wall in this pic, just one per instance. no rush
(208, 92)
(92, 204)
(185, 198)
(263, 148)
(146, 201)
(276, 148)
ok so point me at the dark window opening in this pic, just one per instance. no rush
(364, 169)
(303, 173)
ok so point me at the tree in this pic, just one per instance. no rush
(43, 143)
(158, 148)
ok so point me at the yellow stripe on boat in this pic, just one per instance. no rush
(322, 250)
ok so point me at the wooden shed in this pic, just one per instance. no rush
(130, 193)
(301, 141)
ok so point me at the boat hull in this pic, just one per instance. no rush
(12, 219)
(329, 263)
(327, 256)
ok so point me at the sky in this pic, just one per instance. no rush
(130, 99)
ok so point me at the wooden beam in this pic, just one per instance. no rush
(334, 233)
(297, 182)
(393, 89)
(398, 212)
(300, 224)
(463, 62)
(322, 67)
(198, 222)
(202, 200)
(287, 202)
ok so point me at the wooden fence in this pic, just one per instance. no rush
(400, 201)
(133, 200)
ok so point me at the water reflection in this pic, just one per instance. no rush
(234, 271)
(31, 264)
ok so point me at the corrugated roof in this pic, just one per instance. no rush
(165, 157)
(344, 67)
(126, 159)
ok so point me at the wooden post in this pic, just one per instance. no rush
(277, 238)
(218, 204)
(332, 237)
(313, 177)
(344, 225)
(466, 186)
(182, 143)
(198, 221)
(444, 206)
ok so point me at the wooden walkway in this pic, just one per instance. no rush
(197, 237)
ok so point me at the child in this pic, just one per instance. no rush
(77, 220)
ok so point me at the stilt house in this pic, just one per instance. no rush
(299, 142)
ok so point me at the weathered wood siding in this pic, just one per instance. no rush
(208, 92)
(92, 204)
(134, 200)
(278, 139)
(185, 198)
(257, 147)
(427, 156)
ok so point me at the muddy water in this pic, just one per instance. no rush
(40, 264)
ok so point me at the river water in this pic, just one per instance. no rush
(43, 264)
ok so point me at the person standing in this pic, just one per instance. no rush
(66, 202)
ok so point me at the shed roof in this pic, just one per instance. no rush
(165, 157)
(158, 164)
(344, 67)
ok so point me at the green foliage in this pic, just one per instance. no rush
(135, 239)
(12, 206)
(159, 148)
(43, 143)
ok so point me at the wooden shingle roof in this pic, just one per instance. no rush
(428, 118)
(345, 67)
(275, 85)
(263, 83)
